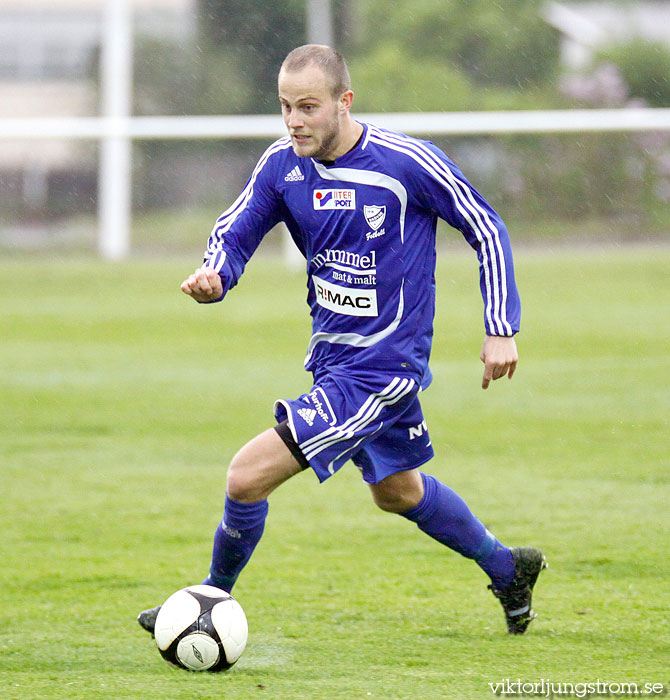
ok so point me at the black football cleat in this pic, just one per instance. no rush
(147, 619)
(516, 598)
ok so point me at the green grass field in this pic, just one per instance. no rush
(121, 402)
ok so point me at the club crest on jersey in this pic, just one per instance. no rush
(335, 199)
(374, 216)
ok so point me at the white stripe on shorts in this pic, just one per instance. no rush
(371, 408)
(367, 404)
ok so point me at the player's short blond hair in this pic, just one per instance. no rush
(332, 64)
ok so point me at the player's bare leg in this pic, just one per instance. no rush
(255, 472)
(260, 467)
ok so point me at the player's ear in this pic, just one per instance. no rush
(346, 100)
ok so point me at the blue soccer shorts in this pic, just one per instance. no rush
(374, 420)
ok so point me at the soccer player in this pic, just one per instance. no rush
(361, 203)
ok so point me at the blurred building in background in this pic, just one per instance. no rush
(587, 27)
(49, 52)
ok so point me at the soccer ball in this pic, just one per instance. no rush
(201, 628)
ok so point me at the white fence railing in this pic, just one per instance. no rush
(270, 126)
(116, 133)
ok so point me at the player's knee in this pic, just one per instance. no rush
(398, 493)
(392, 502)
(259, 468)
(237, 487)
(386, 504)
(241, 483)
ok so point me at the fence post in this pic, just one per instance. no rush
(319, 21)
(115, 166)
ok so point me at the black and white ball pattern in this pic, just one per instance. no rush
(201, 628)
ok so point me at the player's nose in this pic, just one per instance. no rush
(294, 121)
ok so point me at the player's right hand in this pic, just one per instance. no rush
(203, 285)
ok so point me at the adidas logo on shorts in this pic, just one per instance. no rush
(308, 415)
(294, 176)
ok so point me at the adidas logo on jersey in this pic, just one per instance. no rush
(294, 176)
(308, 415)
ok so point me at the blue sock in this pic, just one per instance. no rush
(445, 516)
(235, 539)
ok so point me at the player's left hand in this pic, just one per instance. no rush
(499, 356)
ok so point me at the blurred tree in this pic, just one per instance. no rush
(247, 40)
(390, 79)
(410, 55)
(251, 37)
(645, 68)
(166, 77)
(506, 44)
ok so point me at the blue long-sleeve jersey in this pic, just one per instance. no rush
(366, 226)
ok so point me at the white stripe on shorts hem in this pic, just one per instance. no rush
(373, 406)
(331, 466)
(355, 418)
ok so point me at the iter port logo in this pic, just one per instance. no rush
(335, 199)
